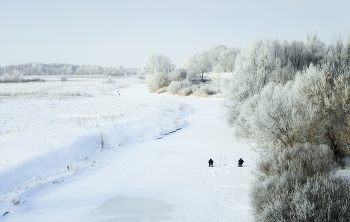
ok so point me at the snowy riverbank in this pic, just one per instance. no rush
(150, 176)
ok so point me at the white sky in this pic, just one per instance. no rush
(123, 32)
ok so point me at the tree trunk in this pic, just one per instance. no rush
(338, 157)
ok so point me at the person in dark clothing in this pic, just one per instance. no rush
(210, 163)
(240, 162)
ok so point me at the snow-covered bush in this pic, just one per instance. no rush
(206, 90)
(162, 90)
(187, 90)
(109, 80)
(322, 199)
(292, 197)
(271, 198)
(304, 159)
(174, 87)
(157, 81)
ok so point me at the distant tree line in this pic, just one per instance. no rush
(15, 73)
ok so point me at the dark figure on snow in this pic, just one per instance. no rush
(210, 163)
(240, 162)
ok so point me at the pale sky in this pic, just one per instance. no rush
(123, 32)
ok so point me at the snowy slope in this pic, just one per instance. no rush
(151, 177)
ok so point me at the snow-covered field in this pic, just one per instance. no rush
(52, 166)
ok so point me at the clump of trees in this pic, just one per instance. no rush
(292, 101)
(190, 78)
(14, 76)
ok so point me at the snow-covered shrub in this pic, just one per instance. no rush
(292, 197)
(162, 90)
(207, 90)
(174, 87)
(304, 159)
(188, 90)
(271, 198)
(109, 80)
(204, 90)
(157, 81)
(322, 199)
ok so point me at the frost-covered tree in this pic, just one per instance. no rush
(199, 63)
(157, 63)
(327, 90)
(313, 108)
(215, 52)
(297, 55)
(227, 60)
(315, 50)
(275, 116)
(339, 50)
(255, 67)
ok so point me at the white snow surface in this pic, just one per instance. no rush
(144, 173)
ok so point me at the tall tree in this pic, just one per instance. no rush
(157, 63)
(199, 64)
